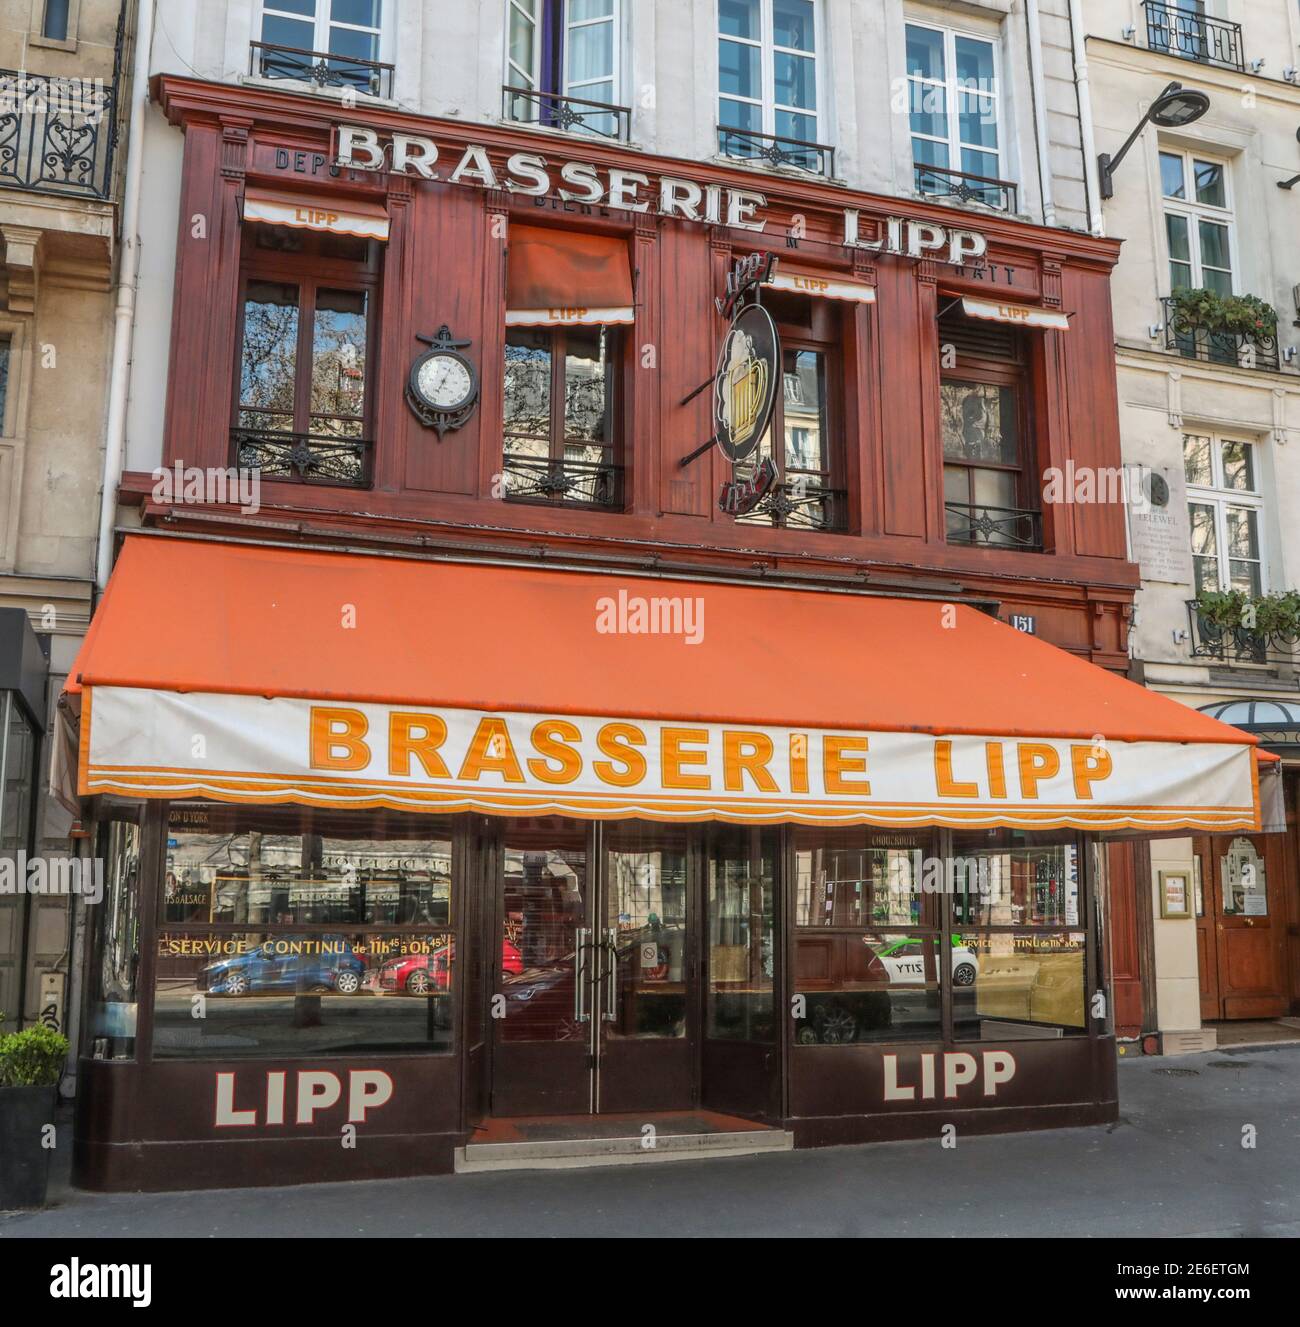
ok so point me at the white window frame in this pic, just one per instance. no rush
(951, 89)
(1196, 211)
(766, 44)
(1220, 498)
(533, 76)
(323, 21)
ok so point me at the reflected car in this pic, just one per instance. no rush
(904, 961)
(421, 974)
(337, 969)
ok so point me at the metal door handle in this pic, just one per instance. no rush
(611, 978)
(580, 974)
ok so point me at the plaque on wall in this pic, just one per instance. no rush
(1159, 531)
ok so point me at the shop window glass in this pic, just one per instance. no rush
(291, 931)
(741, 909)
(865, 969)
(115, 965)
(1019, 948)
(560, 434)
(17, 754)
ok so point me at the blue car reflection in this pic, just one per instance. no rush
(287, 963)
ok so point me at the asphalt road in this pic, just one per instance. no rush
(1173, 1165)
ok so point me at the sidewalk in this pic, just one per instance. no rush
(1173, 1165)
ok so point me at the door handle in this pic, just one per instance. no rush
(580, 974)
(611, 977)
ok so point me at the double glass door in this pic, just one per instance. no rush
(591, 1002)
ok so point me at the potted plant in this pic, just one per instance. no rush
(31, 1063)
(1235, 315)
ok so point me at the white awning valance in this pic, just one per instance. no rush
(1020, 315)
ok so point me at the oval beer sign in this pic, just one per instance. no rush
(744, 386)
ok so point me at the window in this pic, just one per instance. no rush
(953, 102)
(561, 407)
(866, 944)
(768, 80)
(348, 33)
(4, 380)
(54, 26)
(560, 55)
(1198, 221)
(307, 305)
(1019, 950)
(809, 490)
(1225, 508)
(987, 448)
(305, 932)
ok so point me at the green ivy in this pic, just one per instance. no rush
(1240, 315)
(1265, 614)
(32, 1058)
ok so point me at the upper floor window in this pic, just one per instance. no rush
(1225, 509)
(987, 442)
(1198, 221)
(1191, 30)
(953, 104)
(562, 65)
(331, 43)
(302, 408)
(768, 82)
(54, 24)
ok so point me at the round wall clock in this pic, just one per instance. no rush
(442, 389)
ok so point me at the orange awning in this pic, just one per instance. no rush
(865, 709)
(348, 216)
(560, 278)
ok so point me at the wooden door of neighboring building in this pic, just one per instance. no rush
(1240, 926)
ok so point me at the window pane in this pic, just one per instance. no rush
(1197, 465)
(338, 375)
(1245, 576)
(925, 52)
(646, 908)
(796, 81)
(1210, 187)
(739, 18)
(1238, 466)
(1214, 244)
(739, 115)
(739, 1003)
(995, 488)
(1204, 537)
(978, 422)
(974, 60)
(738, 70)
(928, 107)
(528, 383)
(269, 355)
(1206, 570)
(804, 405)
(272, 994)
(1180, 276)
(1221, 284)
(843, 880)
(977, 120)
(1018, 985)
(1243, 538)
(1176, 232)
(522, 39)
(980, 163)
(586, 385)
(792, 24)
(1171, 175)
(277, 31)
(1014, 883)
(580, 10)
(353, 43)
(789, 124)
(4, 380)
(116, 962)
(364, 13)
(591, 53)
(928, 152)
(307, 7)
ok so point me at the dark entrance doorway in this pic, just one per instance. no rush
(592, 1004)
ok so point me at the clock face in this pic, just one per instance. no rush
(444, 382)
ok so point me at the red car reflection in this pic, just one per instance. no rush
(419, 974)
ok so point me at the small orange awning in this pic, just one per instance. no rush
(348, 679)
(560, 278)
(339, 216)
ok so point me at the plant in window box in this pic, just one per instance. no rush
(31, 1063)
(1236, 315)
(1265, 616)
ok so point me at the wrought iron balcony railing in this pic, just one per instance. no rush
(546, 479)
(57, 135)
(749, 145)
(797, 505)
(1192, 36)
(1235, 348)
(940, 182)
(1212, 640)
(305, 458)
(322, 69)
(572, 114)
(994, 527)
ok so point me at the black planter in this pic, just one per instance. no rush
(24, 1163)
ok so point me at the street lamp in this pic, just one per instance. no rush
(1174, 107)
